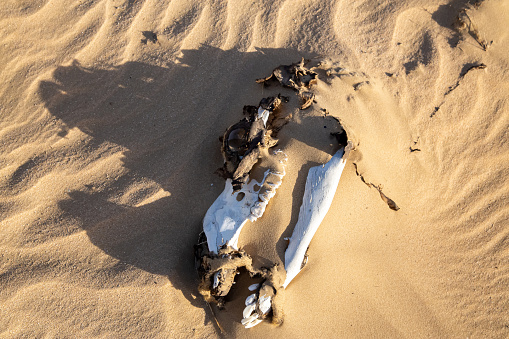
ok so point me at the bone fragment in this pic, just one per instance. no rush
(254, 287)
(250, 319)
(248, 310)
(227, 216)
(321, 185)
(267, 299)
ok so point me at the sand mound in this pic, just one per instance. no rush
(111, 113)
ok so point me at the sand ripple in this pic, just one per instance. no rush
(110, 114)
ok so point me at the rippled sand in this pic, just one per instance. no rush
(110, 118)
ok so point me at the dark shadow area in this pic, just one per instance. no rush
(446, 16)
(147, 110)
(149, 36)
(423, 56)
(297, 195)
(470, 66)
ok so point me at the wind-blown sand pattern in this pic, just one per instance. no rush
(110, 118)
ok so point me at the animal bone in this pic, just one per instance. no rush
(266, 301)
(227, 216)
(321, 185)
(218, 255)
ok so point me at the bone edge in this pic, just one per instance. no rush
(321, 185)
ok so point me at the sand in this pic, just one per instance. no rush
(110, 116)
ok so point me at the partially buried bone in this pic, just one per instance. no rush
(217, 254)
(267, 299)
(218, 257)
(225, 218)
(321, 185)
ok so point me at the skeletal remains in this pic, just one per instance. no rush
(218, 255)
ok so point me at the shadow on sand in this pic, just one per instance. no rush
(148, 110)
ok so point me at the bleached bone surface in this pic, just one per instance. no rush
(225, 218)
(263, 114)
(321, 185)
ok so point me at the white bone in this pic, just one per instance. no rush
(216, 279)
(263, 114)
(225, 218)
(248, 311)
(253, 323)
(253, 287)
(249, 319)
(264, 304)
(321, 185)
(251, 300)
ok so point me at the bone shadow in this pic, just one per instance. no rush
(140, 109)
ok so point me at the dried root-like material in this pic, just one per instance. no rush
(464, 23)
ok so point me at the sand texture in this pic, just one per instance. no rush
(110, 114)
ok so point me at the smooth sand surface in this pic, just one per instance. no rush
(110, 116)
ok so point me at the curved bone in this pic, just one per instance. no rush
(321, 185)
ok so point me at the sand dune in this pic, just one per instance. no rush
(110, 118)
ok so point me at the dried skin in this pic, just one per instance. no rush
(296, 76)
(225, 265)
(242, 143)
(307, 99)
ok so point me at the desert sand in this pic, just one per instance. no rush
(110, 116)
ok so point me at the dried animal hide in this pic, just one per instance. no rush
(242, 143)
(296, 76)
(217, 274)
